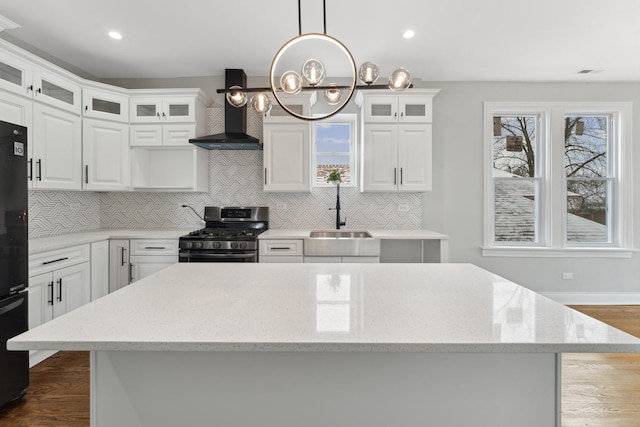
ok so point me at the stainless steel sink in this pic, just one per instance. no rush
(340, 234)
(341, 243)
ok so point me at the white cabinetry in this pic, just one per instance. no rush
(342, 259)
(119, 267)
(59, 282)
(105, 104)
(397, 141)
(280, 250)
(151, 255)
(162, 122)
(287, 155)
(23, 77)
(99, 269)
(106, 155)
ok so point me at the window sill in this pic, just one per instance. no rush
(557, 253)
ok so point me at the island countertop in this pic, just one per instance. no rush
(326, 308)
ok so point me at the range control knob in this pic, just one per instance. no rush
(198, 245)
(243, 245)
(188, 245)
(216, 245)
(234, 245)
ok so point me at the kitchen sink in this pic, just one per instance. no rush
(340, 234)
(341, 243)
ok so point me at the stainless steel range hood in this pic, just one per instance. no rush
(235, 135)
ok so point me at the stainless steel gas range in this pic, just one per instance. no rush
(230, 235)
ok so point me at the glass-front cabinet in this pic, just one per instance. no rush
(397, 109)
(105, 105)
(26, 79)
(162, 109)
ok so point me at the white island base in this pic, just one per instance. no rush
(323, 389)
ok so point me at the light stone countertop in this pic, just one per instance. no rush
(277, 234)
(44, 244)
(326, 308)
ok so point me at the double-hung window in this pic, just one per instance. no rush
(335, 148)
(557, 179)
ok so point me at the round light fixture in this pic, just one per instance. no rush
(260, 102)
(399, 80)
(291, 83)
(409, 34)
(329, 54)
(333, 94)
(115, 35)
(369, 73)
(313, 72)
(236, 96)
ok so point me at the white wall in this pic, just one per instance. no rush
(455, 206)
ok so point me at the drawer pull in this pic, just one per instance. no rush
(55, 260)
(280, 248)
(155, 247)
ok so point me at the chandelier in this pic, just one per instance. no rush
(315, 62)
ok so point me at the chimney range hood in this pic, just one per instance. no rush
(235, 135)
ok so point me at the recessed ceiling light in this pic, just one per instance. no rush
(115, 35)
(408, 34)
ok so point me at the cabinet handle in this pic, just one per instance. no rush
(401, 115)
(30, 177)
(55, 260)
(39, 163)
(395, 115)
(30, 88)
(60, 290)
(158, 114)
(122, 262)
(155, 247)
(265, 176)
(130, 272)
(164, 116)
(395, 174)
(400, 176)
(50, 286)
(39, 90)
(280, 248)
(86, 174)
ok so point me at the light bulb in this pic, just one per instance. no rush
(332, 95)
(291, 82)
(313, 72)
(369, 73)
(236, 96)
(399, 80)
(260, 102)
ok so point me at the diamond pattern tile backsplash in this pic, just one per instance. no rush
(235, 179)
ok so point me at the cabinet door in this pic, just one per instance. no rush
(178, 109)
(287, 157)
(105, 105)
(380, 158)
(40, 299)
(72, 288)
(145, 109)
(18, 110)
(143, 266)
(106, 155)
(415, 109)
(99, 269)
(381, 109)
(178, 135)
(414, 157)
(119, 275)
(57, 149)
(56, 90)
(15, 74)
(146, 135)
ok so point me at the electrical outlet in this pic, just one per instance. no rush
(403, 208)
(567, 276)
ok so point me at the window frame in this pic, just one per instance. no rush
(552, 218)
(341, 118)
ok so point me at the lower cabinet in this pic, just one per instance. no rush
(119, 267)
(280, 250)
(99, 269)
(342, 259)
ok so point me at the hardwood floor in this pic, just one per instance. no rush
(598, 390)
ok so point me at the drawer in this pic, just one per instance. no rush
(280, 247)
(153, 247)
(281, 258)
(46, 262)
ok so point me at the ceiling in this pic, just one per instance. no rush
(456, 40)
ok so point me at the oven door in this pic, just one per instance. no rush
(186, 255)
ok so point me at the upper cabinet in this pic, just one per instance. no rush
(27, 79)
(163, 109)
(396, 141)
(287, 156)
(397, 109)
(105, 105)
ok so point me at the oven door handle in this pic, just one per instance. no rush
(202, 256)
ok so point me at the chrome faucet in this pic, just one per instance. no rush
(337, 208)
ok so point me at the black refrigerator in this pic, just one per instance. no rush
(14, 259)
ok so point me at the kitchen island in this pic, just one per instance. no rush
(325, 344)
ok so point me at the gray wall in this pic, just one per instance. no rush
(455, 206)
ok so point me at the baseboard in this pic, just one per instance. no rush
(595, 298)
(38, 356)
